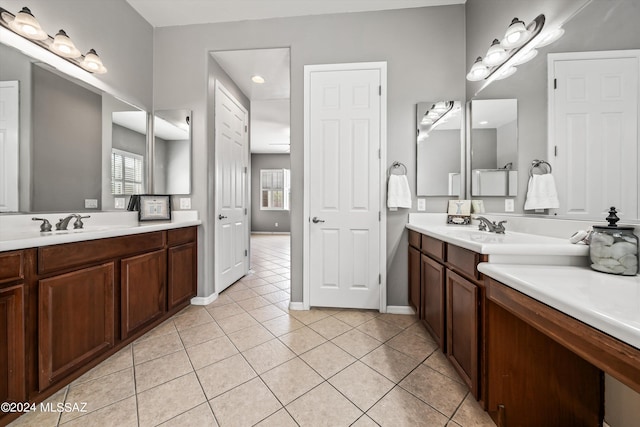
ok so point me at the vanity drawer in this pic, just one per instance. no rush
(464, 261)
(434, 248)
(11, 266)
(414, 239)
(179, 236)
(68, 255)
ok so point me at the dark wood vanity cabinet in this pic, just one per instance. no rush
(451, 304)
(75, 320)
(12, 327)
(414, 280)
(65, 308)
(182, 256)
(142, 291)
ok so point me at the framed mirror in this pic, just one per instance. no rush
(60, 158)
(439, 148)
(172, 152)
(494, 147)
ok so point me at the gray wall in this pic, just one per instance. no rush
(262, 220)
(128, 140)
(416, 71)
(484, 148)
(160, 148)
(66, 114)
(507, 148)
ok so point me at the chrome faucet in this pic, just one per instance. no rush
(64, 222)
(490, 226)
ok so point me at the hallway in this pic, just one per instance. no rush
(246, 359)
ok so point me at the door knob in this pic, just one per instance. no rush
(316, 220)
(221, 216)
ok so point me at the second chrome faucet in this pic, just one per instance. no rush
(490, 226)
(64, 222)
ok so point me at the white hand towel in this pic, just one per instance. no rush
(398, 193)
(542, 193)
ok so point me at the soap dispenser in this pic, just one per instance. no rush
(614, 249)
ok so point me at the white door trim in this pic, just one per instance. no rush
(223, 89)
(306, 267)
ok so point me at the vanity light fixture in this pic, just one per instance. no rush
(25, 25)
(63, 46)
(257, 79)
(518, 46)
(439, 113)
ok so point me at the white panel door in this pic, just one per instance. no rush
(232, 148)
(594, 127)
(344, 201)
(9, 122)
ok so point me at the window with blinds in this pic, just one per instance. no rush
(274, 189)
(127, 171)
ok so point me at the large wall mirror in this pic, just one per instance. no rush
(439, 148)
(494, 147)
(172, 152)
(599, 26)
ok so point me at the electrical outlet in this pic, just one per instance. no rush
(422, 205)
(119, 202)
(91, 203)
(276, 224)
(509, 205)
(185, 203)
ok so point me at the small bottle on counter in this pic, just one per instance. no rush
(614, 249)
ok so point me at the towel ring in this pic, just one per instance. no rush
(397, 165)
(539, 164)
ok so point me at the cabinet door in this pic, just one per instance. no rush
(142, 290)
(182, 274)
(12, 344)
(462, 328)
(414, 280)
(433, 301)
(76, 318)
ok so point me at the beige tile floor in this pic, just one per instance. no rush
(247, 360)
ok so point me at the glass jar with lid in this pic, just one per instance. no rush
(614, 249)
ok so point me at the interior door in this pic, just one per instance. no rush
(232, 151)
(9, 105)
(344, 134)
(594, 132)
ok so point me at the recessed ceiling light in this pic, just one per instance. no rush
(257, 79)
(484, 122)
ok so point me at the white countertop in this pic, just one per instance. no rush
(607, 302)
(510, 243)
(22, 237)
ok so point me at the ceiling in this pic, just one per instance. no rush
(165, 13)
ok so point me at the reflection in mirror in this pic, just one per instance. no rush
(63, 140)
(494, 147)
(439, 143)
(129, 143)
(172, 152)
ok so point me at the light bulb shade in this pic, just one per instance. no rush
(63, 46)
(495, 55)
(26, 25)
(93, 63)
(523, 57)
(506, 73)
(478, 71)
(550, 37)
(426, 121)
(516, 35)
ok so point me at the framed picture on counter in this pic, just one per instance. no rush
(153, 207)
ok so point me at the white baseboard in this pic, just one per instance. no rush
(400, 309)
(296, 306)
(271, 232)
(204, 300)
